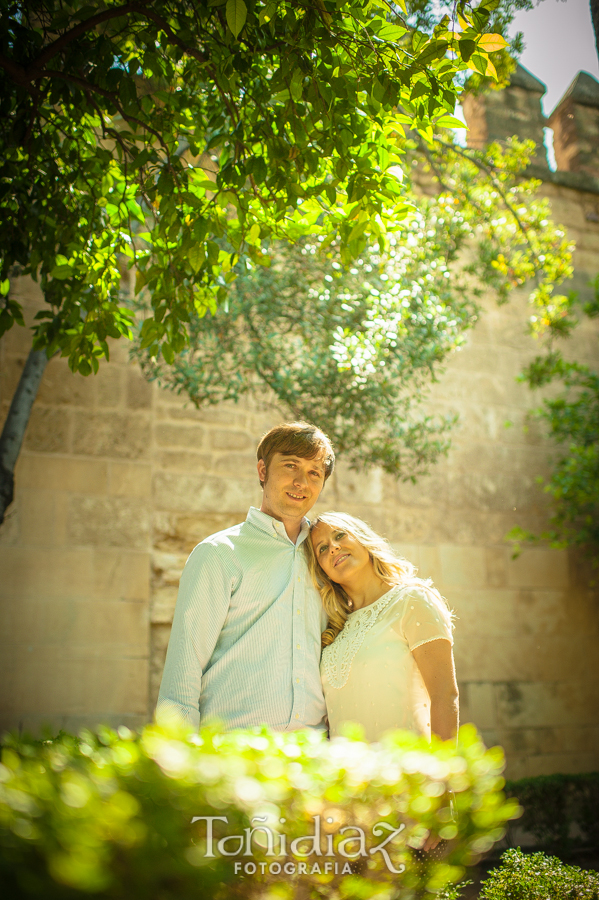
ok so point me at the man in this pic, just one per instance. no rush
(246, 637)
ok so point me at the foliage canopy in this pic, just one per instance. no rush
(183, 134)
(354, 347)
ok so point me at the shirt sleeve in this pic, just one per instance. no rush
(425, 618)
(200, 612)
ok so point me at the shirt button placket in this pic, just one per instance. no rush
(299, 644)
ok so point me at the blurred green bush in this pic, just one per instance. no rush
(109, 814)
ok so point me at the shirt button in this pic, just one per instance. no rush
(299, 612)
(297, 715)
(297, 680)
(298, 646)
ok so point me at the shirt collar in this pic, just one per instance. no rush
(273, 527)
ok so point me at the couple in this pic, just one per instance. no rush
(259, 601)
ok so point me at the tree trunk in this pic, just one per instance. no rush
(595, 20)
(16, 424)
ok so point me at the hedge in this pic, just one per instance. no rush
(168, 815)
(560, 811)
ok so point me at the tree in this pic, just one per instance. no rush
(354, 347)
(181, 135)
(572, 421)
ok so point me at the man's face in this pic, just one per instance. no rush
(292, 485)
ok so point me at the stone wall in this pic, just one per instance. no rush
(118, 480)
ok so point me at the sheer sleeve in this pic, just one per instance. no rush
(425, 618)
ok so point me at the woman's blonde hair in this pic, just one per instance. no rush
(386, 563)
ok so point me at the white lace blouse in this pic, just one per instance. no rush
(369, 674)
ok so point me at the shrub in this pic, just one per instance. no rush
(109, 814)
(538, 877)
(556, 806)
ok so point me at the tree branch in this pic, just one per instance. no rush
(87, 25)
(16, 423)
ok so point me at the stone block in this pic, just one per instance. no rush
(544, 705)
(121, 435)
(564, 658)
(191, 436)
(110, 627)
(82, 685)
(516, 768)
(486, 613)
(234, 465)
(225, 439)
(556, 763)
(184, 413)
(410, 552)
(539, 568)
(130, 479)
(62, 387)
(187, 493)
(160, 638)
(37, 510)
(121, 575)
(496, 559)
(110, 522)
(163, 605)
(46, 473)
(429, 565)
(139, 390)
(506, 657)
(463, 566)
(48, 573)
(168, 566)
(7, 669)
(224, 414)
(49, 430)
(18, 339)
(175, 533)
(184, 461)
(546, 612)
(481, 704)
(10, 529)
(110, 382)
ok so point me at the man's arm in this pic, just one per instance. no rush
(202, 606)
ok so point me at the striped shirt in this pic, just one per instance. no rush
(245, 643)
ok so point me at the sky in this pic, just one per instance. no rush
(559, 40)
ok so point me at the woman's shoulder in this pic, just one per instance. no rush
(418, 593)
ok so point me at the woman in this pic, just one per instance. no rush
(387, 660)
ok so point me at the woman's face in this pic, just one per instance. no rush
(339, 554)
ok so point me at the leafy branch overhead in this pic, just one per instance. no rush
(355, 346)
(183, 134)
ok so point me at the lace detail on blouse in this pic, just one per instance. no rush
(337, 658)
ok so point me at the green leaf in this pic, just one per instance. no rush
(466, 48)
(196, 257)
(236, 15)
(419, 90)
(61, 272)
(267, 13)
(449, 122)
